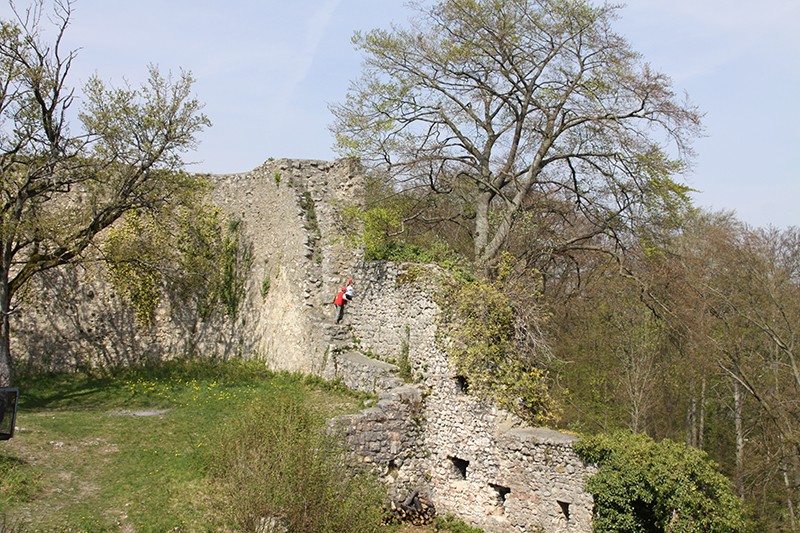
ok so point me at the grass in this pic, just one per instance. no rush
(131, 451)
(139, 450)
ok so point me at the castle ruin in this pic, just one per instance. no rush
(428, 435)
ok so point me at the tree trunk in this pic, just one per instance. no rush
(789, 503)
(481, 239)
(702, 421)
(691, 423)
(6, 369)
(737, 416)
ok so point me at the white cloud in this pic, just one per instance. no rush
(314, 30)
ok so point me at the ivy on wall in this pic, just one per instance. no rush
(191, 254)
(480, 337)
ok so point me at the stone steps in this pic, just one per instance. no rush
(362, 373)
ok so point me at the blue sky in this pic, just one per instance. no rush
(267, 71)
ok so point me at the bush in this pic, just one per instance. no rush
(379, 231)
(452, 524)
(278, 465)
(482, 343)
(646, 486)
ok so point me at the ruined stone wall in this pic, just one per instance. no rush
(468, 458)
(71, 318)
(289, 210)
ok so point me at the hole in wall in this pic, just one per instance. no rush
(564, 509)
(459, 469)
(462, 384)
(392, 470)
(500, 493)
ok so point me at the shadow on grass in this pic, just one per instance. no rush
(65, 391)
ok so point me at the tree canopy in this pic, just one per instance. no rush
(60, 189)
(519, 106)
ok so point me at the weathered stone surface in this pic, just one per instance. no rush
(467, 458)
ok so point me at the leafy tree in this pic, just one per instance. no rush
(726, 300)
(748, 281)
(494, 344)
(520, 106)
(645, 486)
(610, 355)
(187, 251)
(60, 190)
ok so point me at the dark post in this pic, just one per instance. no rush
(8, 411)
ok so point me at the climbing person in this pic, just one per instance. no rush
(343, 297)
(348, 292)
(339, 303)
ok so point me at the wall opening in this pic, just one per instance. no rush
(564, 509)
(392, 470)
(500, 493)
(459, 467)
(462, 384)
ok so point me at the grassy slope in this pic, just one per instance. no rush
(129, 452)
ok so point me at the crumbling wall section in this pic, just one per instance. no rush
(470, 459)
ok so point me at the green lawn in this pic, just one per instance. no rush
(131, 452)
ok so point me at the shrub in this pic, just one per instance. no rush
(277, 464)
(452, 524)
(379, 230)
(645, 486)
(482, 342)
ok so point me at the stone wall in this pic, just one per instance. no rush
(287, 211)
(468, 458)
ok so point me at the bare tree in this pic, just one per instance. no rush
(59, 190)
(519, 105)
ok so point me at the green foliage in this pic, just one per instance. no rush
(450, 523)
(483, 346)
(194, 258)
(614, 357)
(372, 228)
(236, 260)
(132, 250)
(644, 486)
(309, 211)
(188, 251)
(278, 462)
(379, 229)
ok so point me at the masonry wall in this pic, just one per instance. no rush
(468, 458)
(289, 210)
(73, 319)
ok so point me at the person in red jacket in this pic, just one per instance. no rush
(339, 302)
(343, 297)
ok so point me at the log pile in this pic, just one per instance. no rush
(415, 510)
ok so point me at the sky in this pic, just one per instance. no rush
(267, 71)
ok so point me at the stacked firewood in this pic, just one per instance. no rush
(415, 510)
